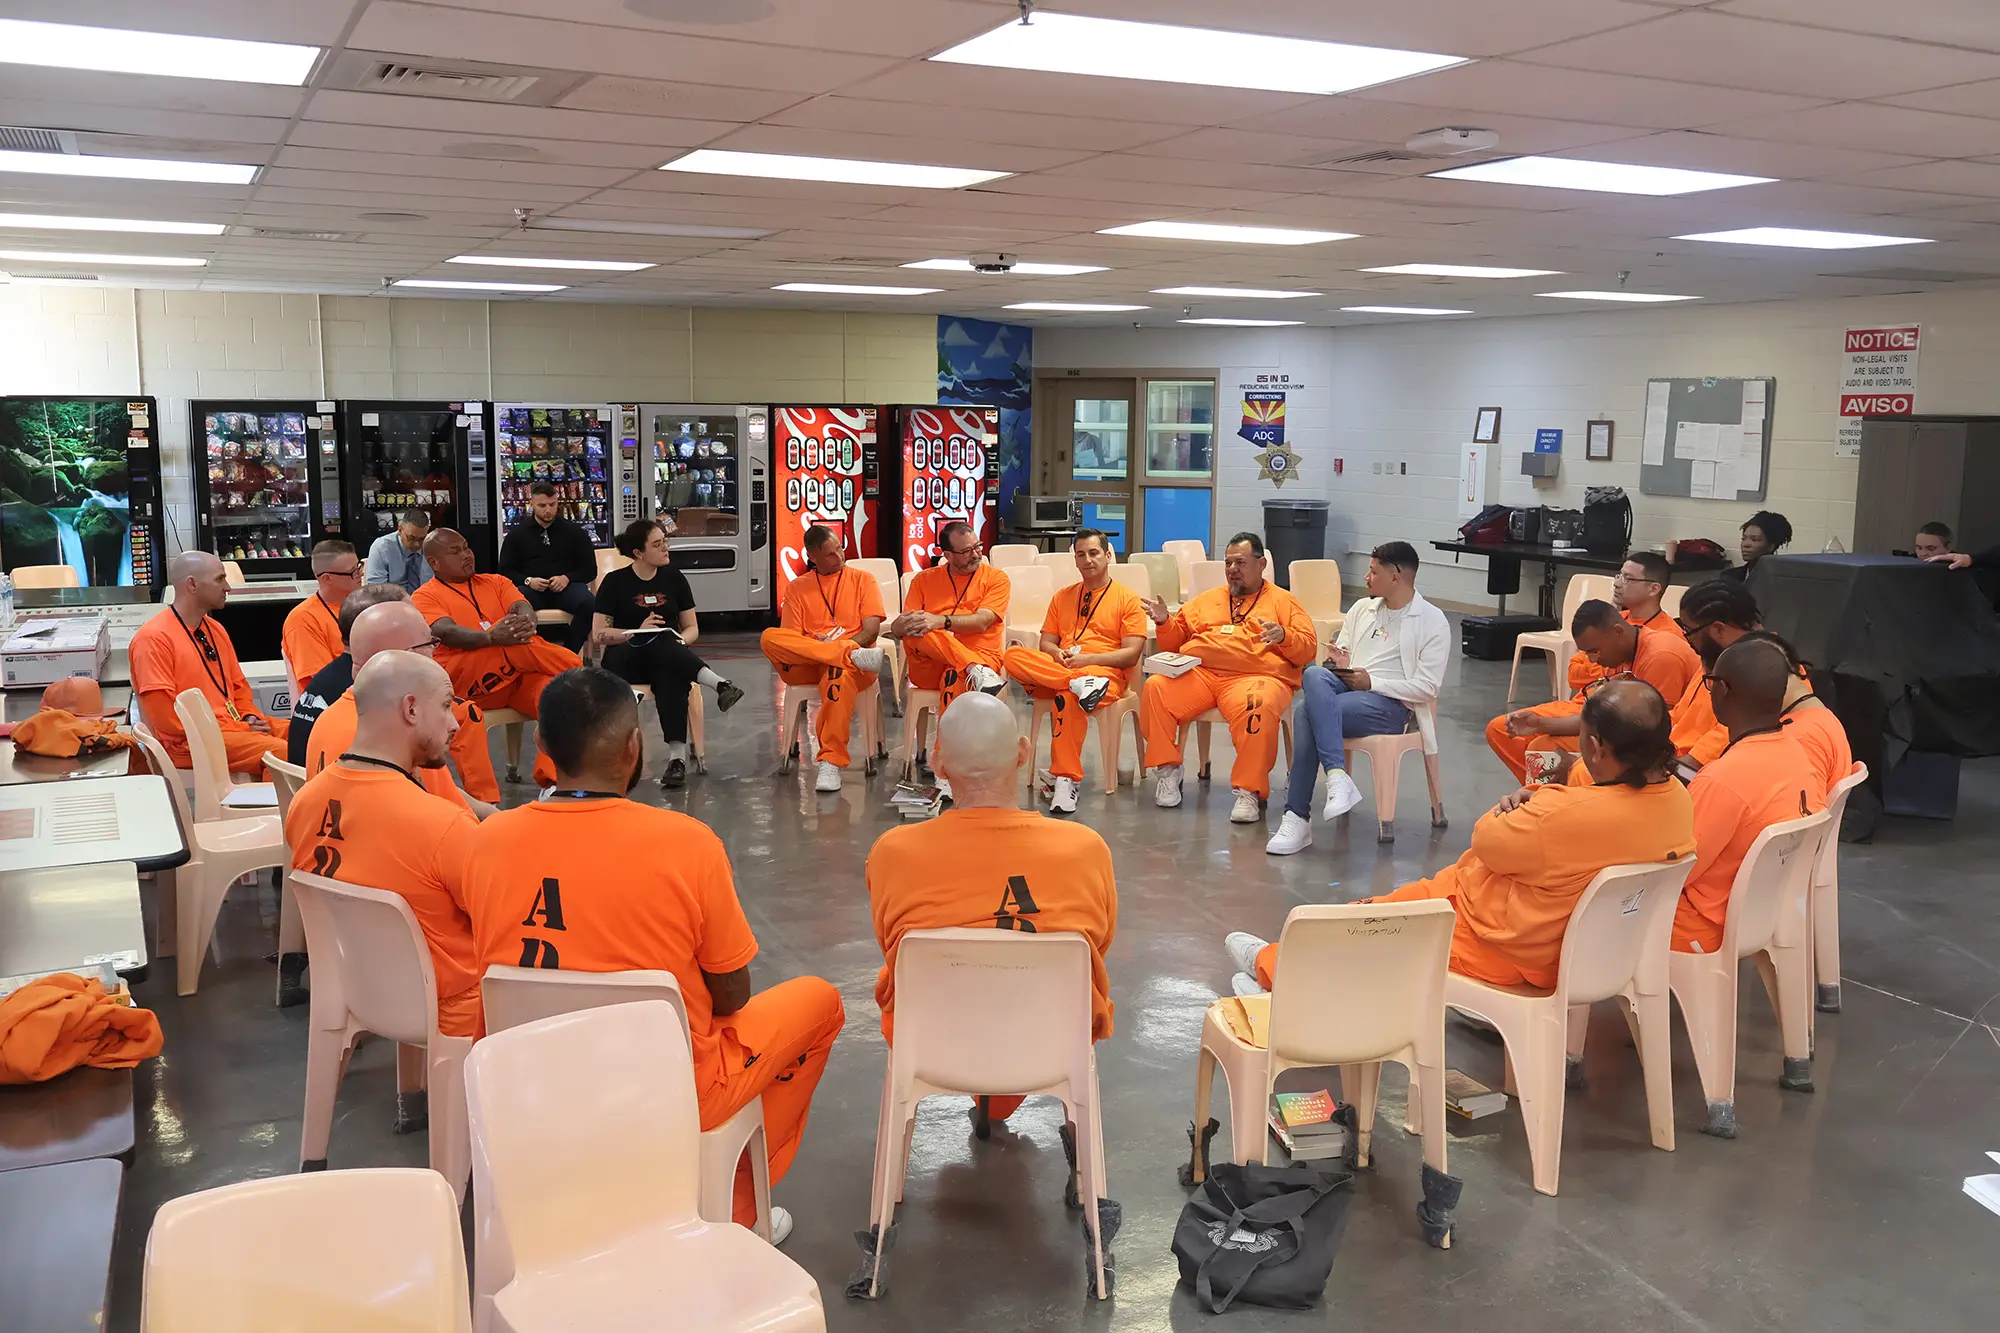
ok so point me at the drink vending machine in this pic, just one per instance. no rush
(706, 467)
(825, 472)
(946, 468)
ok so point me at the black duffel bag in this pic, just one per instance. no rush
(1264, 1235)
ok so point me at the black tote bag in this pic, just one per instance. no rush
(1264, 1235)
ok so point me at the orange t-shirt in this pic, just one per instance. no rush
(311, 638)
(479, 604)
(1696, 733)
(1010, 869)
(1222, 634)
(165, 660)
(369, 826)
(333, 733)
(614, 886)
(1096, 622)
(815, 606)
(938, 591)
(1582, 670)
(1761, 780)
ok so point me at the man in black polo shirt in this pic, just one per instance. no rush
(551, 560)
(336, 677)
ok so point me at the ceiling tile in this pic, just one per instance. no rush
(473, 119)
(1585, 94)
(307, 22)
(1705, 150)
(498, 153)
(1970, 23)
(1447, 27)
(879, 27)
(969, 86)
(1883, 129)
(1944, 178)
(916, 148)
(1966, 99)
(971, 124)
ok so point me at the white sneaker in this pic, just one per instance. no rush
(1243, 983)
(1243, 948)
(1167, 790)
(1341, 794)
(1089, 691)
(781, 1224)
(828, 779)
(985, 679)
(1062, 801)
(872, 660)
(1295, 834)
(1248, 808)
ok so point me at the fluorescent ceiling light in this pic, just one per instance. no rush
(122, 51)
(142, 261)
(1244, 323)
(1641, 298)
(1575, 173)
(41, 222)
(849, 171)
(1464, 271)
(127, 168)
(30, 280)
(1023, 269)
(610, 227)
(851, 289)
(1216, 231)
(1075, 307)
(1400, 310)
(442, 285)
(585, 265)
(1073, 44)
(1247, 293)
(1797, 238)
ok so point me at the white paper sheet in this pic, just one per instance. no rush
(1708, 442)
(1653, 442)
(1686, 438)
(1701, 480)
(1750, 460)
(1724, 484)
(1752, 413)
(1753, 392)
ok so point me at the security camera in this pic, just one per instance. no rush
(1000, 263)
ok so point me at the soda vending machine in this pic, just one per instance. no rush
(564, 444)
(428, 456)
(266, 482)
(945, 467)
(825, 472)
(706, 467)
(80, 486)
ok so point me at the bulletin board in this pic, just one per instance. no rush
(1707, 439)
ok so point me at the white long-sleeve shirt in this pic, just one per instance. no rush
(1404, 652)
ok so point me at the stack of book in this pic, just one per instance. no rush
(1304, 1125)
(1468, 1097)
(917, 801)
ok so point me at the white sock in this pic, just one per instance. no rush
(677, 750)
(1336, 772)
(708, 678)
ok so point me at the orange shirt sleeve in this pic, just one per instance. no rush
(792, 614)
(155, 675)
(996, 594)
(870, 597)
(499, 585)
(1133, 622)
(1719, 811)
(1665, 662)
(726, 942)
(1056, 622)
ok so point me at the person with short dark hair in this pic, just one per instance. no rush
(1765, 532)
(398, 557)
(954, 622)
(831, 616)
(552, 560)
(584, 879)
(1933, 540)
(311, 635)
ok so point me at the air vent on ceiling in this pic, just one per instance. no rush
(27, 139)
(1915, 275)
(290, 234)
(453, 80)
(1380, 155)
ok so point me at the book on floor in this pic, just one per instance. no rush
(1469, 1097)
(1305, 1112)
(1310, 1143)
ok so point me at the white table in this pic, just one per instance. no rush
(90, 821)
(75, 919)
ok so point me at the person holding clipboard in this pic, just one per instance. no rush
(646, 623)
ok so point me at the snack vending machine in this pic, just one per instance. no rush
(566, 445)
(945, 467)
(80, 486)
(824, 472)
(266, 482)
(428, 456)
(706, 468)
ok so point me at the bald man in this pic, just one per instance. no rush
(584, 880)
(336, 677)
(312, 636)
(369, 819)
(486, 637)
(181, 648)
(986, 862)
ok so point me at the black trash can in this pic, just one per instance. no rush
(1294, 530)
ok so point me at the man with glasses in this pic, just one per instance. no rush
(311, 636)
(954, 622)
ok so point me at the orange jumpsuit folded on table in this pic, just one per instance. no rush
(939, 660)
(50, 1026)
(814, 645)
(1091, 623)
(167, 657)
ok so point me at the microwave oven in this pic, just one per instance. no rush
(1046, 511)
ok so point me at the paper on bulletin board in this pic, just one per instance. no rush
(1750, 459)
(1686, 441)
(1701, 480)
(1653, 448)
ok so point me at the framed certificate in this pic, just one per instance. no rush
(1597, 441)
(1486, 427)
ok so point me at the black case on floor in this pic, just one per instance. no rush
(1491, 638)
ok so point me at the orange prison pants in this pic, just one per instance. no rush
(1513, 750)
(1253, 706)
(774, 1047)
(246, 748)
(1045, 678)
(523, 694)
(804, 660)
(939, 660)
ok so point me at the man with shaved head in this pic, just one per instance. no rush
(369, 819)
(182, 649)
(1534, 854)
(486, 637)
(584, 880)
(312, 636)
(986, 862)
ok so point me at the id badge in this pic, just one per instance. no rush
(485, 624)
(1226, 629)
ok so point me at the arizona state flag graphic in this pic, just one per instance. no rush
(1263, 418)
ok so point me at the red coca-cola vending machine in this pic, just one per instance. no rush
(824, 473)
(945, 467)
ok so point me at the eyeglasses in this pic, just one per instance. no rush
(353, 573)
(1689, 631)
(1622, 577)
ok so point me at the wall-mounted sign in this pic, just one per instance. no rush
(1548, 441)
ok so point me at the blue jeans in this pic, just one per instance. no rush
(1328, 712)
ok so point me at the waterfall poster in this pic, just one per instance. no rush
(65, 490)
(983, 364)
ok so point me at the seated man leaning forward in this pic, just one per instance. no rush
(985, 862)
(1252, 638)
(181, 649)
(1390, 658)
(954, 623)
(1091, 638)
(1534, 854)
(585, 880)
(825, 637)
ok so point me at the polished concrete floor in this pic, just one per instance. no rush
(1835, 1211)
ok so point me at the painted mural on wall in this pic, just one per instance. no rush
(983, 364)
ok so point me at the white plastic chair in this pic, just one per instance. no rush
(1557, 642)
(286, 779)
(1061, 566)
(514, 729)
(1615, 947)
(233, 573)
(601, 1218)
(1204, 575)
(44, 576)
(1316, 583)
(886, 582)
(371, 973)
(991, 1013)
(1108, 722)
(1012, 555)
(921, 707)
(208, 764)
(1356, 984)
(1163, 572)
(220, 852)
(1204, 728)
(1826, 894)
(798, 710)
(1186, 553)
(1768, 904)
(1670, 600)
(1385, 766)
(366, 1251)
(1136, 577)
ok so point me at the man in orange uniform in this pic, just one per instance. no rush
(1091, 638)
(587, 881)
(954, 622)
(1534, 854)
(368, 819)
(1253, 639)
(1615, 647)
(182, 649)
(311, 636)
(487, 641)
(830, 613)
(986, 862)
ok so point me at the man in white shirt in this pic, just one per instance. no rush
(1390, 658)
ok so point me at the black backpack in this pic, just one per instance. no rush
(1607, 519)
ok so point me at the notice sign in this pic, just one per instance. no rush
(1879, 377)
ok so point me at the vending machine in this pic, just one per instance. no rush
(80, 486)
(428, 456)
(707, 468)
(825, 472)
(565, 444)
(266, 482)
(945, 467)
